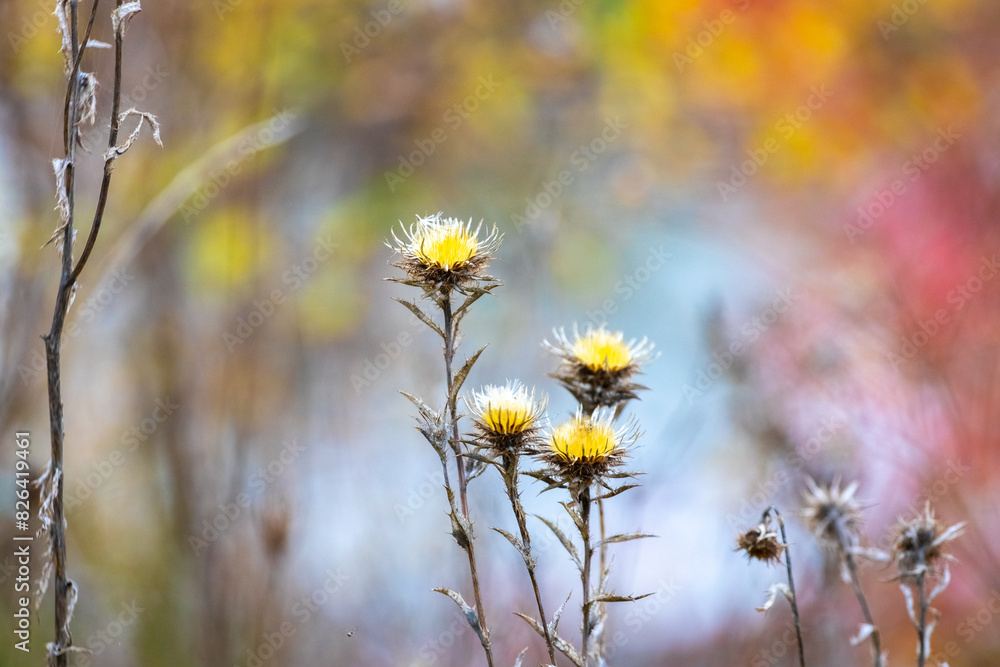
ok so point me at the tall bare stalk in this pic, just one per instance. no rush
(78, 107)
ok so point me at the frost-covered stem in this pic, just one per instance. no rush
(450, 334)
(510, 478)
(860, 595)
(791, 585)
(588, 553)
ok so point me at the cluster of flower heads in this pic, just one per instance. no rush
(597, 367)
(508, 419)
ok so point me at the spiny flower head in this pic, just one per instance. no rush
(587, 447)
(761, 543)
(919, 544)
(602, 350)
(440, 253)
(598, 365)
(832, 513)
(506, 416)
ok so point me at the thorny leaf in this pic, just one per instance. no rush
(615, 598)
(432, 427)
(564, 646)
(422, 316)
(574, 514)
(462, 373)
(772, 595)
(529, 562)
(461, 527)
(543, 476)
(615, 492)
(470, 614)
(473, 294)
(482, 458)
(566, 542)
(554, 623)
(520, 657)
(625, 538)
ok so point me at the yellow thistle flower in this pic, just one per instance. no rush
(587, 447)
(597, 367)
(445, 247)
(507, 415)
(583, 440)
(445, 252)
(602, 350)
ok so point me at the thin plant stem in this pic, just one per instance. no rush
(53, 340)
(791, 584)
(449, 358)
(450, 334)
(510, 478)
(922, 628)
(860, 595)
(603, 557)
(585, 575)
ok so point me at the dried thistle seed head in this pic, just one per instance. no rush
(588, 447)
(441, 253)
(761, 543)
(918, 547)
(597, 366)
(506, 417)
(832, 513)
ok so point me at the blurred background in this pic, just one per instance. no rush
(796, 201)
